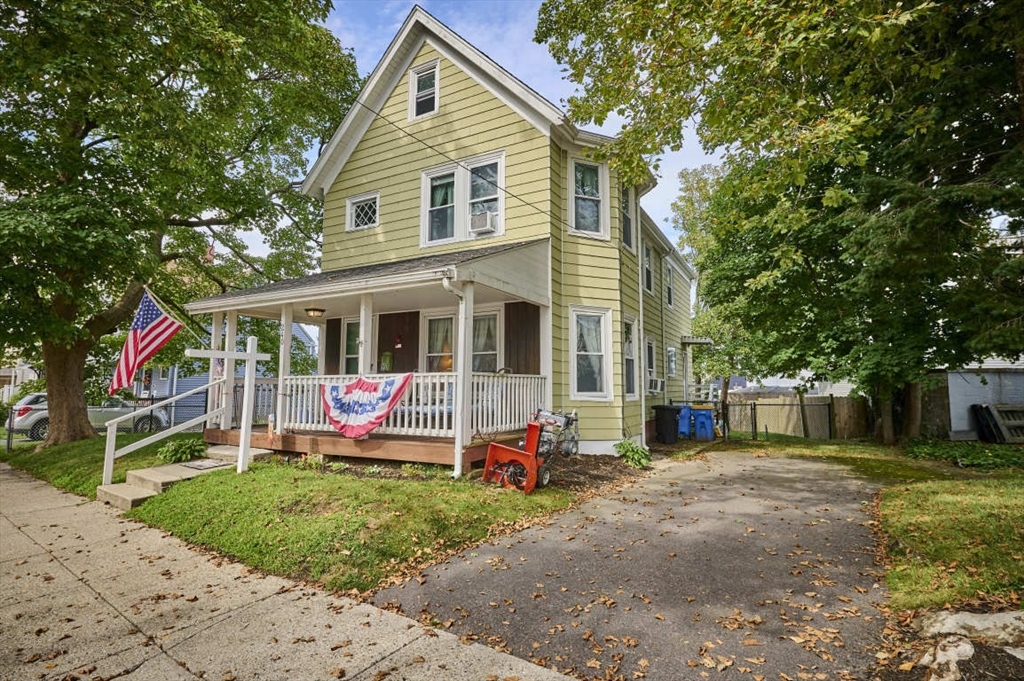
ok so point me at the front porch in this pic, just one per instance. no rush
(421, 429)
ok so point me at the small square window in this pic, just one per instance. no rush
(362, 212)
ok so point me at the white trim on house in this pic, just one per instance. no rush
(351, 206)
(671, 361)
(631, 392)
(606, 392)
(434, 65)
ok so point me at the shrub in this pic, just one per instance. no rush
(177, 451)
(982, 455)
(633, 454)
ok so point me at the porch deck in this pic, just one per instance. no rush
(413, 449)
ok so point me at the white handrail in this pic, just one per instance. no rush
(111, 452)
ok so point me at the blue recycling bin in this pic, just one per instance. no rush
(685, 422)
(704, 425)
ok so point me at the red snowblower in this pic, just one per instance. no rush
(547, 434)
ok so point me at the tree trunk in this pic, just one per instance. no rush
(65, 393)
(911, 411)
(885, 418)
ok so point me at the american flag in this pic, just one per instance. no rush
(151, 329)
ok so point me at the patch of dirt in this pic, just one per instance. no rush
(989, 663)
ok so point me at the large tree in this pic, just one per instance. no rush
(134, 133)
(875, 159)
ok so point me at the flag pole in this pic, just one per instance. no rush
(166, 308)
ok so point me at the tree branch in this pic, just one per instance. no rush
(241, 255)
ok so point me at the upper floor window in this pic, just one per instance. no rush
(463, 200)
(423, 82)
(361, 212)
(626, 208)
(648, 270)
(669, 289)
(588, 209)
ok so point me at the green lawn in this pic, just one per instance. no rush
(343, 531)
(953, 533)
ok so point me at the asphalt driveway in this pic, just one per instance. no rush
(740, 567)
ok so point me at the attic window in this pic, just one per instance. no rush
(423, 90)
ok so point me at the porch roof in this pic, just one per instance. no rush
(265, 301)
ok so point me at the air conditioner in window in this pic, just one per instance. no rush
(655, 385)
(483, 223)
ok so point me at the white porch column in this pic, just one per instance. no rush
(216, 343)
(321, 349)
(546, 344)
(464, 369)
(227, 398)
(284, 363)
(365, 335)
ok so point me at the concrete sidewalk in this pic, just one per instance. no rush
(87, 594)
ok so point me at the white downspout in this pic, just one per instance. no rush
(642, 349)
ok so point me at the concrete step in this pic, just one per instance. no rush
(122, 495)
(230, 453)
(160, 478)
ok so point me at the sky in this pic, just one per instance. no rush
(503, 30)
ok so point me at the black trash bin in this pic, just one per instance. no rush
(666, 423)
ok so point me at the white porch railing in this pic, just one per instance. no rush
(499, 403)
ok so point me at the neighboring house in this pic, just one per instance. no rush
(469, 238)
(947, 405)
(13, 375)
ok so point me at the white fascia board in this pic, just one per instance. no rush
(299, 295)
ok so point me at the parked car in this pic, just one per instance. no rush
(32, 418)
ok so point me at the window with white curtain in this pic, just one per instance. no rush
(629, 358)
(590, 347)
(485, 343)
(440, 337)
(670, 362)
(453, 193)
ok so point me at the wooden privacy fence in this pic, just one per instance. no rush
(820, 417)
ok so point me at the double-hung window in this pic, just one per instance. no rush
(423, 89)
(629, 358)
(441, 214)
(588, 209)
(670, 362)
(648, 270)
(626, 209)
(591, 352)
(440, 341)
(651, 367)
(485, 343)
(669, 290)
(463, 200)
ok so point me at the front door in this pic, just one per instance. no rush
(398, 343)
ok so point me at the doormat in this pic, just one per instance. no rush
(205, 464)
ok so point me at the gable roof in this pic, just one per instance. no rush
(421, 27)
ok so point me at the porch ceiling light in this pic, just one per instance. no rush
(315, 312)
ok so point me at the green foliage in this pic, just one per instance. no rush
(633, 453)
(342, 531)
(852, 233)
(198, 132)
(177, 451)
(77, 467)
(982, 455)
